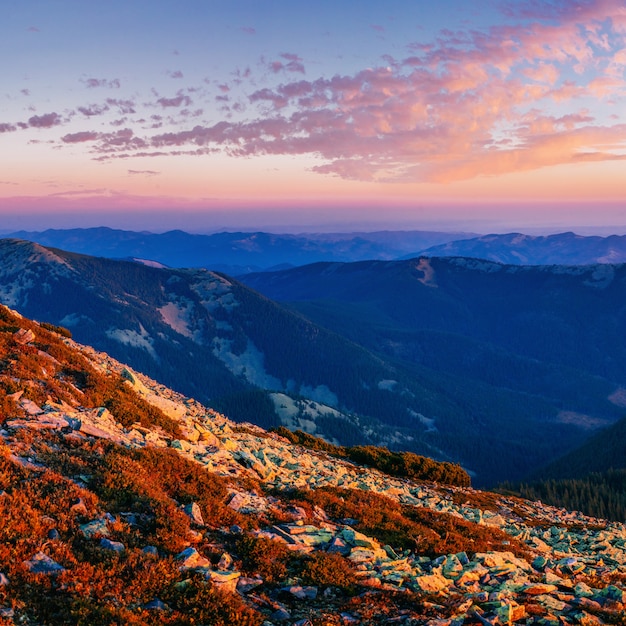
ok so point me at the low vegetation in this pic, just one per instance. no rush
(423, 531)
(114, 519)
(263, 556)
(56, 370)
(42, 510)
(325, 569)
(60, 330)
(402, 464)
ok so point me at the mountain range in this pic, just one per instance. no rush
(238, 252)
(552, 334)
(519, 249)
(490, 366)
(124, 502)
(215, 339)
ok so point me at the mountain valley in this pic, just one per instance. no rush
(211, 337)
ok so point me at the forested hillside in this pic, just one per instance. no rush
(601, 494)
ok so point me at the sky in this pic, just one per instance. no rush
(207, 115)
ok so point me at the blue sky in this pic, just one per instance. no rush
(398, 114)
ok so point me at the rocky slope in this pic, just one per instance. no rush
(125, 502)
(211, 337)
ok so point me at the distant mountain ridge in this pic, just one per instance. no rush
(570, 308)
(237, 252)
(518, 249)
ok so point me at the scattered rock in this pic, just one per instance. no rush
(494, 587)
(225, 562)
(226, 581)
(95, 528)
(246, 585)
(156, 605)
(24, 336)
(79, 507)
(190, 558)
(41, 563)
(113, 546)
(280, 615)
(193, 512)
(430, 583)
(302, 593)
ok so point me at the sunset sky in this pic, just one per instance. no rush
(361, 114)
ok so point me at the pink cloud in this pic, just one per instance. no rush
(177, 101)
(125, 107)
(175, 74)
(543, 73)
(92, 83)
(617, 65)
(93, 110)
(582, 144)
(80, 137)
(474, 103)
(290, 63)
(45, 121)
(267, 95)
(7, 128)
(605, 86)
(143, 172)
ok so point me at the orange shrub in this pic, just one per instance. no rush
(328, 569)
(267, 557)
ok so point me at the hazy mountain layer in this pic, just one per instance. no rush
(237, 253)
(518, 249)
